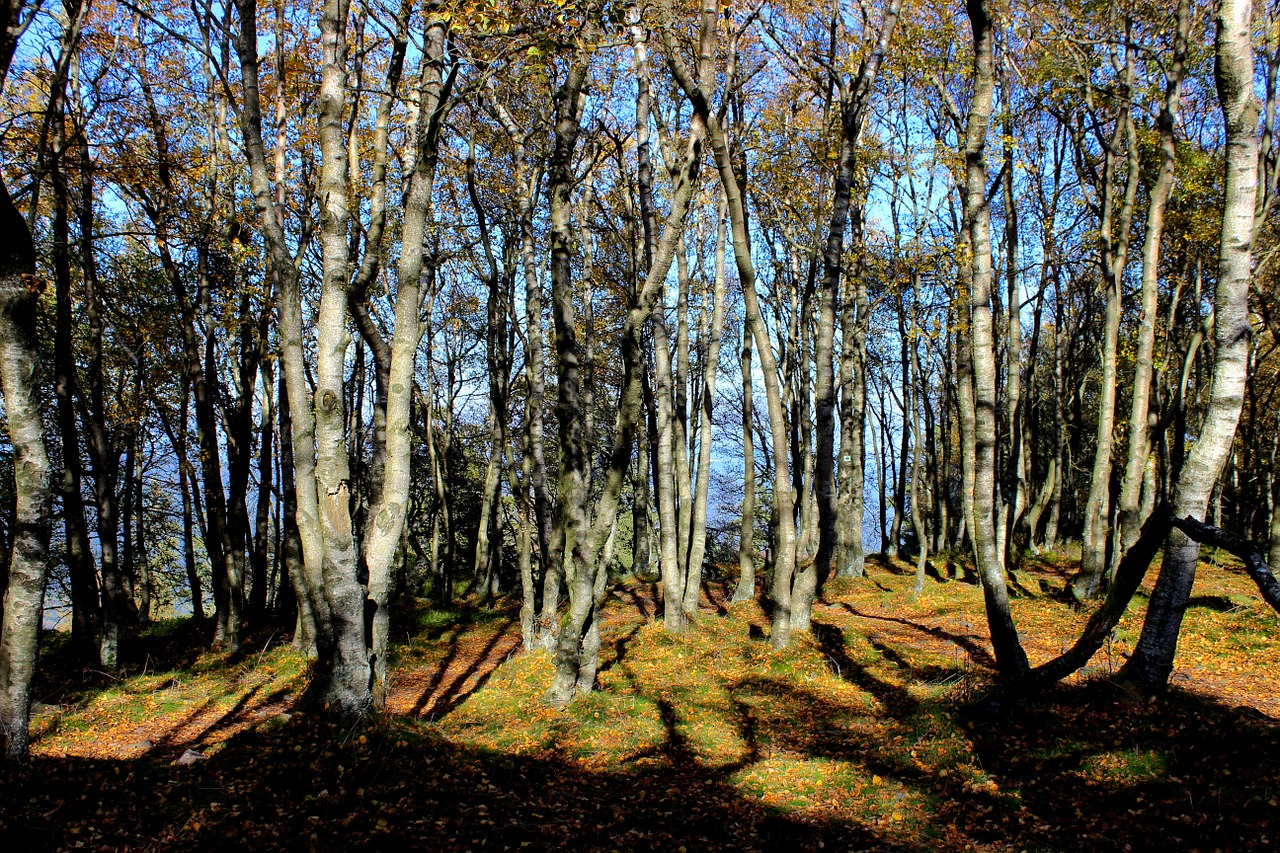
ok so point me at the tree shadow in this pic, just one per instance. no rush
(1080, 770)
(1218, 603)
(481, 665)
(830, 638)
(717, 598)
(620, 646)
(977, 651)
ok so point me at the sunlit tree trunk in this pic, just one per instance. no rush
(1152, 660)
(1010, 657)
(388, 514)
(706, 399)
(28, 564)
(1113, 239)
(1130, 516)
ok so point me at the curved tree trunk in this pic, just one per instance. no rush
(1129, 517)
(1152, 660)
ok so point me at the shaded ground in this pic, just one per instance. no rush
(855, 739)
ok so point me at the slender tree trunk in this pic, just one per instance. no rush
(1114, 241)
(706, 399)
(917, 472)
(855, 98)
(575, 652)
(1011, 660)
(185, 485)
(1152, 660)
(80, 559)
(1015, 479)
(1130, 518)
(746, 588)
(855, 321)
(260, 594)
(389, 513)
(297, 440)
(698, 93)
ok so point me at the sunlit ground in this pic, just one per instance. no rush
(857, 737)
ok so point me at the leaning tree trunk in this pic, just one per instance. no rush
(1152, 660)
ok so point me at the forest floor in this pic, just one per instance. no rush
(860, 737)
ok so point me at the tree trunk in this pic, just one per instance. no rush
(1114, 242)
(855, 321)
(384, 537)
(28, 565)
(1129, 518)
(706, 399)
(746, 588)
(855, 97)
(1011, 659)
(699, 95)
(1152, 660)
(343, 687)
(80, 559)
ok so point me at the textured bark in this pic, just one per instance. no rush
(306, 629)
(571, 520)
(345, 686)
(383, 538)
(1011, 659)
(855, 321)
(28, 563)
(669, 562)
(1152, 659)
